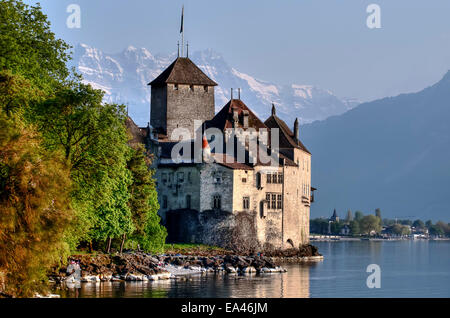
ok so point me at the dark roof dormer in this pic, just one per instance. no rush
(288, 139)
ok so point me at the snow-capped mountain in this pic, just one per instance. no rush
(124, 77)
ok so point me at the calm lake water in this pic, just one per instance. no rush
(408, 269)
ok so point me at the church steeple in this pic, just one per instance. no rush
(274, 112)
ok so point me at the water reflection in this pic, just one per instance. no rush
(276, 285)
(408, 269)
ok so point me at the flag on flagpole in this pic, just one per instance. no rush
(206, 150)
(182, 17)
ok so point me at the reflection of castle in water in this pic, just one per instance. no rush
(294, 284)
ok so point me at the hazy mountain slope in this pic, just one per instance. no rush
(124, 77)
(392, 153)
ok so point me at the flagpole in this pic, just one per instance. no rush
(182, 31)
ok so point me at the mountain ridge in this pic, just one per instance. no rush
(392, 153)
(124, 77)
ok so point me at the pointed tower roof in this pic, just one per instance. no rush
(287, 138)
(334, 214)
(183, 71)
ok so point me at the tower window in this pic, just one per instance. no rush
(188, 201)
(217, 201)
(191, 88)
(205, 88)
(175, 87)
(246, 203)
(269, 178)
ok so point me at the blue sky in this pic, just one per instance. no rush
(325, 43)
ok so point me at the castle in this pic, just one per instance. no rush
(244, 204)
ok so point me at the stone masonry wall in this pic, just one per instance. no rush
(185, 105)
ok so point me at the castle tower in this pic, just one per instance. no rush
(181, 94)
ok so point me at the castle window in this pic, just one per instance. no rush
(175, 87)
(188, 201)
(274, 201)
(191, 88)
(164, 199)
(280, 177)
(244, 180)
(164, 178)
(205, 88)
(246, 203)
(171, 177)
(274, 178)
(269, 178)
(217, 201)
(279, 201)
(180, 176)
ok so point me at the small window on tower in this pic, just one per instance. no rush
(205, 88)
(217, 201)
(246, 203)
(175, 87)
(191, 88)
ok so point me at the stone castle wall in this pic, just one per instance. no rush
(186, 105)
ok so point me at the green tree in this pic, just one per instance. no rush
(93, 138)
(436, 230)
(358, 216)
(418, 224)
(370, 223)
(399, 229)
(34, 208)
(28, 47)
(354, 227)
(428, 224)
(144, 203)
(17, 94)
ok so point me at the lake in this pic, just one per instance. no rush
(408, 269)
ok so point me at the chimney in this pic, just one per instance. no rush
(231, 94)
(239, 93)
(296, 129)
(245, 114)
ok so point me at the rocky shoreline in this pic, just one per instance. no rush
(139, 266)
